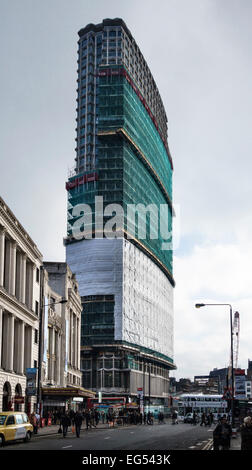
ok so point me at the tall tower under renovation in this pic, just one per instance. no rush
(124, 272)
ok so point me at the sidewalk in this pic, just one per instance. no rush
(53, 429)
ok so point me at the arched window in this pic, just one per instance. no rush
(18, 398)
(7, 404)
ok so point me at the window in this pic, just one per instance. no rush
(37, 274)
(108, 379)
(19, 419)
(10, 421)
(36, 337)
(36, 307)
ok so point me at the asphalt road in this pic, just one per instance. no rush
(157, 437)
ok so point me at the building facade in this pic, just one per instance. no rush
(124, 271)
(20, 263)
(61, 378)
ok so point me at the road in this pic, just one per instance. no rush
(157, 437)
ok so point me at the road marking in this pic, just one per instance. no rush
(209, 445)
(107, 437)
(66, 447)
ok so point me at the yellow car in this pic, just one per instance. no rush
(14, 425)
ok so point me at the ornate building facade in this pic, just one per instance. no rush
(20, 263)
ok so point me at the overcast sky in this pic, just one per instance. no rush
(199, 52)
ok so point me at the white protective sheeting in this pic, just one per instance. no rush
(143, 294)
(147, 302)
(98, 265)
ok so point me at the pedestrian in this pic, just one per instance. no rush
(97, 417)
(246, 434)
(65, 422)
(34, 422)
(88, 419)
(208, 421)
(78, 423)
(174, 417)
(103, 416)
(203, 419)
(222, 435)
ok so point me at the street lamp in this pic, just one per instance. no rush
(42, 306)
(232, 359)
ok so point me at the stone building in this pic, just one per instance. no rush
(39, 334)
(20, 263)
(61, 377)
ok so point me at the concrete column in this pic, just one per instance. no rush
(76, 342)
(21, 334)
(2, 256)
(1, 334)
(7, 267)
(23, 278)
(70, 337)
(18, 276)
(10, 342)
(13, 268)
(51, 353)
(78, 345)
(29, 285)
(28, 347)
(57, 362)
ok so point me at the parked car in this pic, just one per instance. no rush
(14, 425)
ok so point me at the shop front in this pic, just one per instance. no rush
(56, 400)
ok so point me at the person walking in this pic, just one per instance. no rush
(203, 419)
(65, 422)
(222, 435)
(88, 419)
(77, 423)
(96, 417)
(246, 434)
(34, 422)
(103, 416)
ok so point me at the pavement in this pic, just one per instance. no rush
(53, 429)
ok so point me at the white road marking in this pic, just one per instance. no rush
(66, 447)
(107, 437)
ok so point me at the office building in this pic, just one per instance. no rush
(124, 269)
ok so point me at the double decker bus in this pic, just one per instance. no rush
(202, 403)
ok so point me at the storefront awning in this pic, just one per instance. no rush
(67, 392)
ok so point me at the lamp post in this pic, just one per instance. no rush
(42, 306)
(232, 359)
